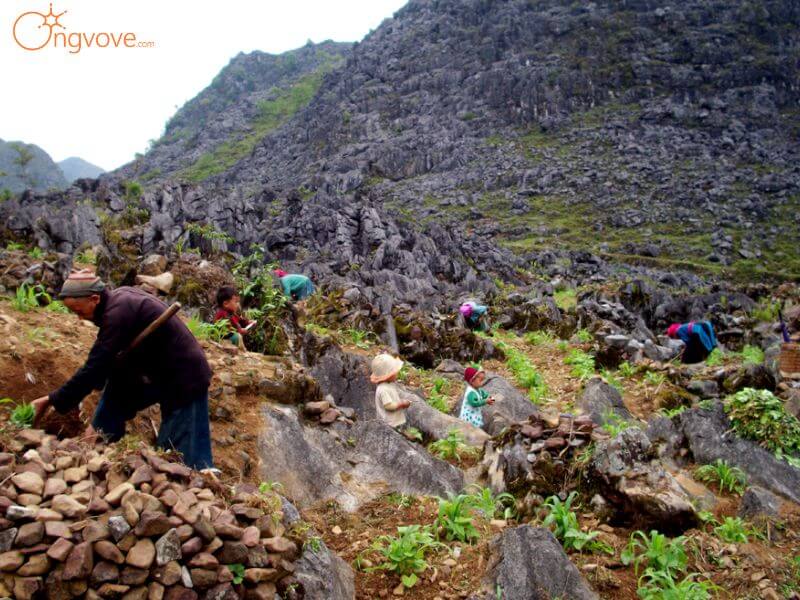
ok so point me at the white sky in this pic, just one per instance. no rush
(104, 104)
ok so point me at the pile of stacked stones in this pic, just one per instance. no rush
(556, 440)
(326, 412)
(126, 522)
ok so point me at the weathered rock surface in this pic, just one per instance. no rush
(709, 438)
(356, 464)
(528, 563)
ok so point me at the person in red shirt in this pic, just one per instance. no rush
(228, 307)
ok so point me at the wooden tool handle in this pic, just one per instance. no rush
(162, 318)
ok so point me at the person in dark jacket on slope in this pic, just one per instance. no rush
(168, 368)
(698, 337)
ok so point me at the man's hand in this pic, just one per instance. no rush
(40, 405)
(490, 400)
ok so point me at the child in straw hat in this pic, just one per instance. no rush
(390, 406)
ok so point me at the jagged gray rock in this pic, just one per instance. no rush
(349, 464)
(528, 563)
(709, 437)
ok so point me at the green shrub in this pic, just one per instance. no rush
(215, 332)
(437, 398)
(564, 524)
(566, 299)
(455, 518)
(489, 504)
(612, 380)
(237, 570)
(404, 554)
(723, 475)
(733, 530)
(584, 336)
(581, 362)
(654, 378)
(662, 586)
(760, 416)
(657, 552)
(29, 297)
(85, 257)
(539, 338)
(525, 374)
(752, 355)
(23, 414)
(57, 306)
(613, 424)
(626, 369)
(452, 447)
(716, 358)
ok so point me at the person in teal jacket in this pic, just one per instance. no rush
(295, 286)
(475, 397)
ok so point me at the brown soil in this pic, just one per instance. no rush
(382, 517)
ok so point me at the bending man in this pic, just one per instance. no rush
(169, 368)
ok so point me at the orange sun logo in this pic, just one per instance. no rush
(33, 30)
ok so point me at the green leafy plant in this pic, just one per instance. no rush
(23, 414)
(452, 447)
(85, 257)
(672, 412)
(413, 433)
(455, 518)
(215, 332)
(566, 299)
(36, 253)
(207, 237)
(613, 424)
(237, 570)
(489, 504)
(582, 363)
(752, 355)
(539, 338)
(662, 586)
(564, 524)
(562, 345)
(760, 416)
(57, 306)
(656, 551)
(15, 246)
(654, 378)
(716, 358)
(359, 338)
(404, 554)
(626, 369)
(400, 500)
(525, 374)
(726, 477)
(437, 397)
(766, 310)
(270, 487)
(612, 380)
(29, 297)
(733, 530)
(264, 300)
(584, 336)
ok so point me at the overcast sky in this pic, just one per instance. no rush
(104, 104)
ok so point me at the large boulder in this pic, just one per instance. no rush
(528, 563)
(323, 575)
(351, 464)
(637, 487)
(599, 400)
(436, 425)
(511, 405)
(709, 437)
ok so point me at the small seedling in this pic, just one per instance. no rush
(455, 518)
(582, 363)
(22, 416)
(452, 447)
(562, 520)
(733, 530)
(726, 477)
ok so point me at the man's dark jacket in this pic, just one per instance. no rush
(170, 358)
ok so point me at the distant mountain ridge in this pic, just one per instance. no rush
(77, 168)
(26, 166)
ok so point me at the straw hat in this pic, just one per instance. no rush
(384, 366)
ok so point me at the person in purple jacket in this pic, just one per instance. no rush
(168, 368)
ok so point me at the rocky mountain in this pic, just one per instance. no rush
(255, 94)
(77, 168)
(26, 166)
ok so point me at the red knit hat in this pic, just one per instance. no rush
(673, 330)
(469, 374)
(280, 272)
